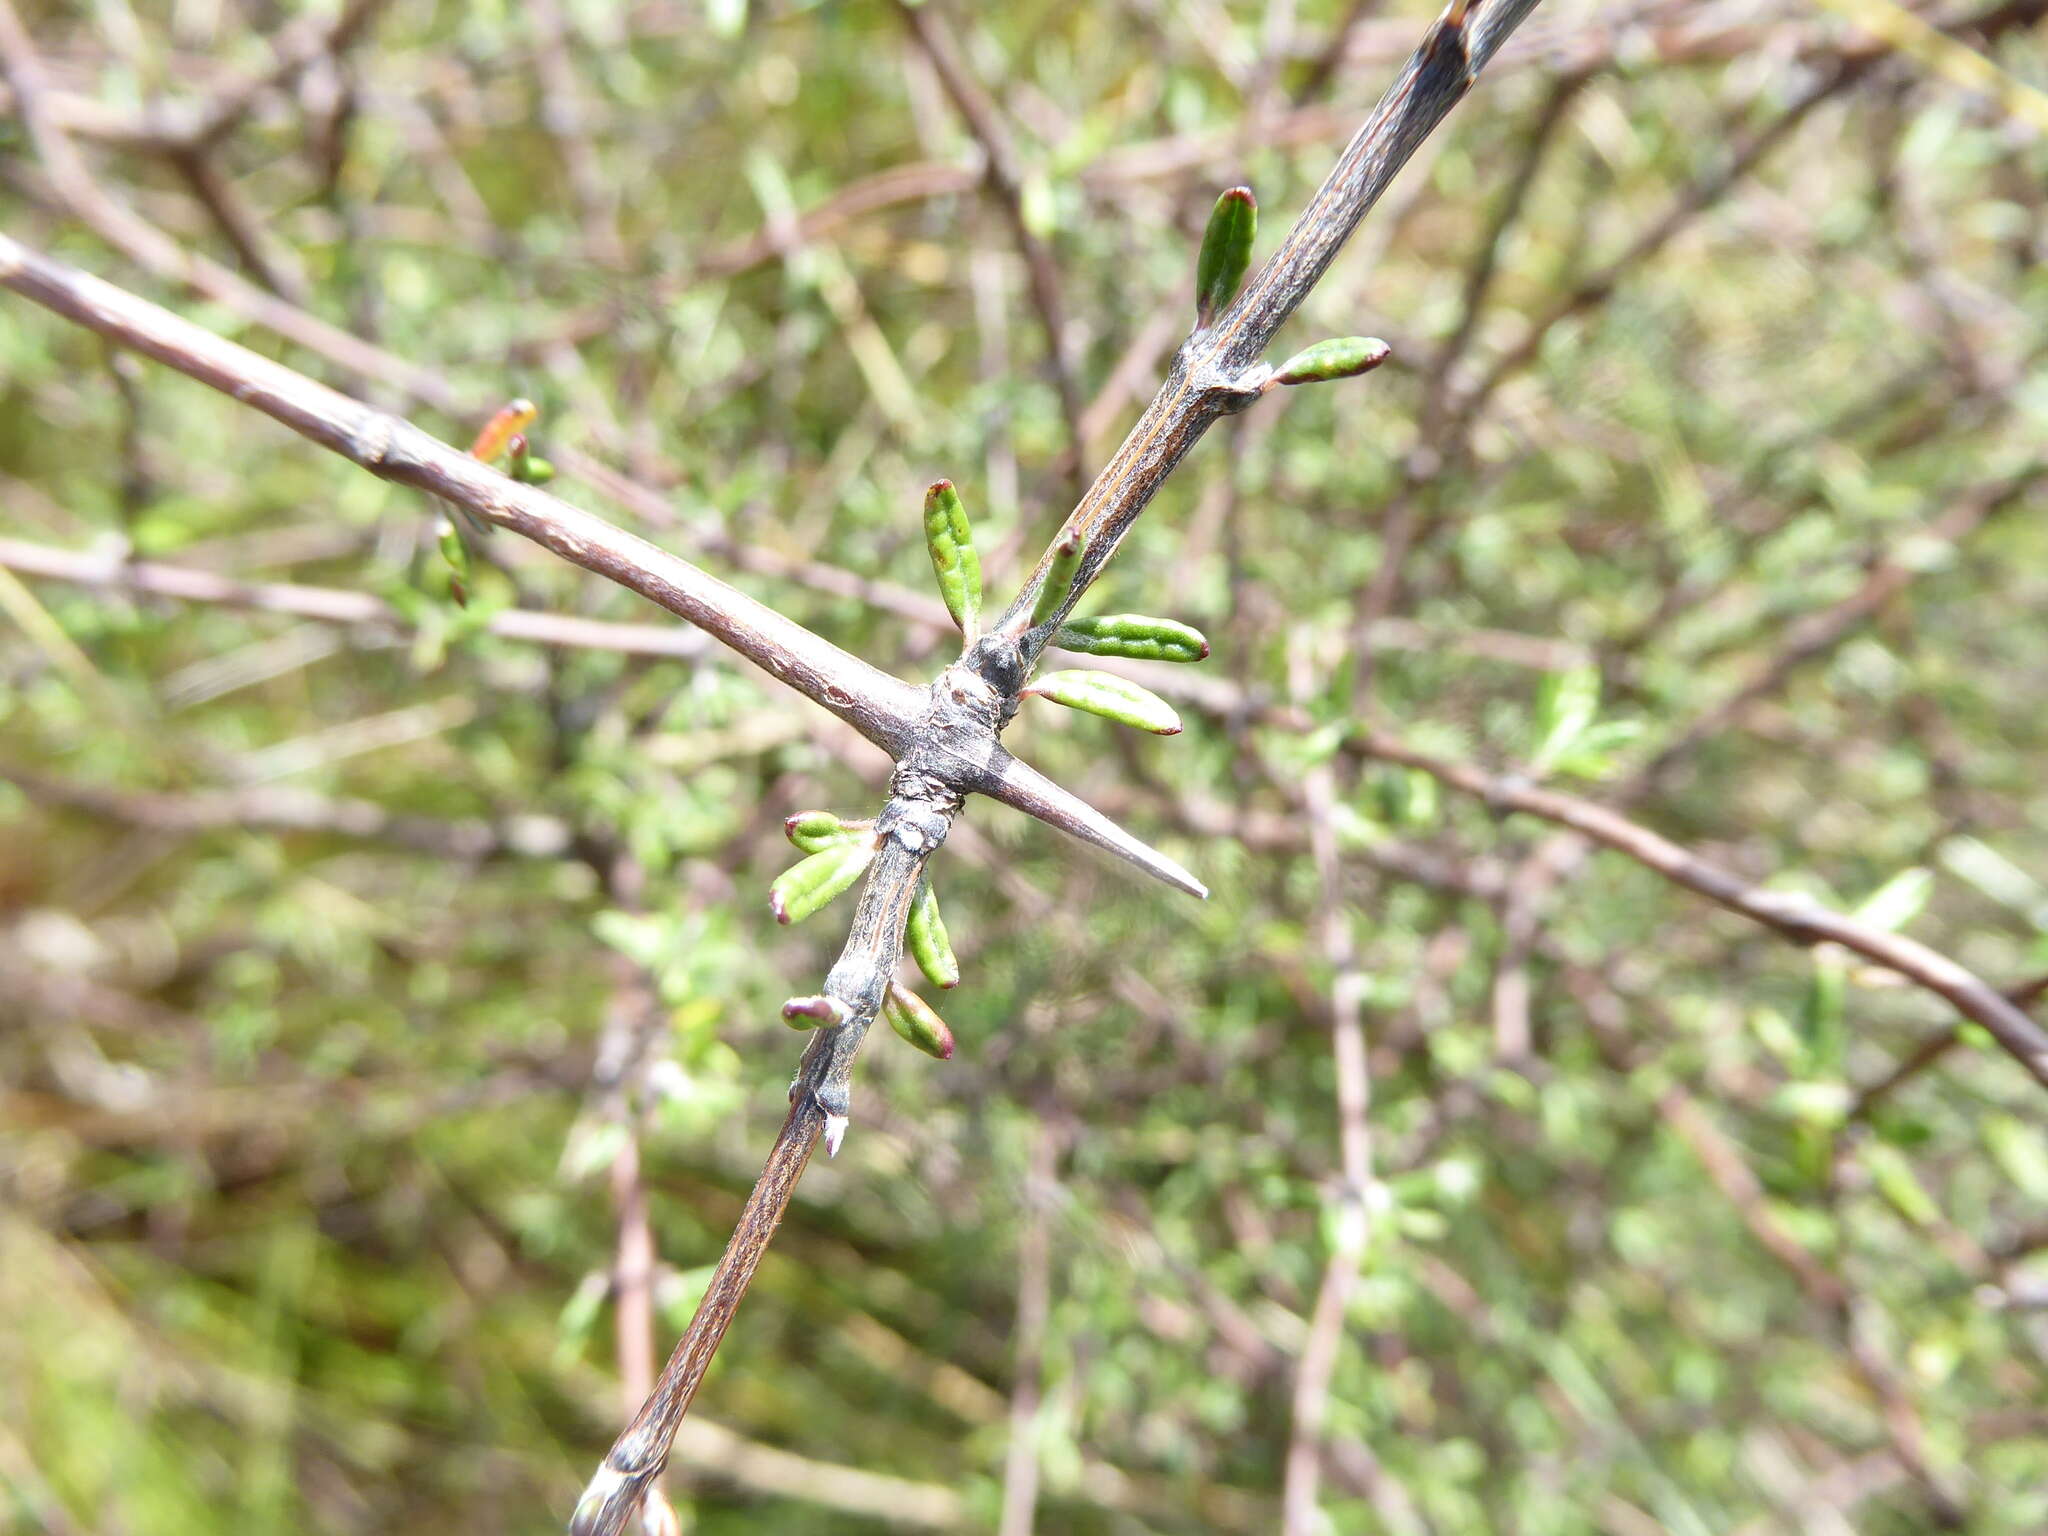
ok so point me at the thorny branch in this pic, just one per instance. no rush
(925, 800)
(945, 739)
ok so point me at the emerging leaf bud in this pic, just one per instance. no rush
(815, 831)
(951, 542)
(527, 467)
(497, 433)
(925, 937)
(1134, 637)
(1112, 697)
(810, 1012)
(1059, 576)
(914, 1019)
(809, 884)
(1226, 252)
(1341, 357)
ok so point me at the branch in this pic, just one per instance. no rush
(1215, 373)
(1799, 918)
(880, 707)
(331, 605)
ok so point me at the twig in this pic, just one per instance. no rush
(1034, 1305)
(945, 738)
(332, 605)
(1348, 982)
(875, 704)
(1217, 372)
(1799, 918)
(1005, 177)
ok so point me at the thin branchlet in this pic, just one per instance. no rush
(1218, 369)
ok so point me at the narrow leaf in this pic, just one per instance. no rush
(815, 831)
(1112, 697)
(1898, 901)
(925, 938)
(1134, 637)
(914, 1019)
(1059, 576)
(497, 433)
(1226, 252)
(1341, 357)
(808, 885)
(951, 542)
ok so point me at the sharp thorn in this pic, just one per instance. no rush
(1024, 788)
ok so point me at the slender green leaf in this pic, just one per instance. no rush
(1341, 357)
(950, 539)
(916, 1021)
(1112, 697)
(925, 937)
(1059, 576)
(815, 831)
(808, 885)
(1134, 637)
(1226, 252)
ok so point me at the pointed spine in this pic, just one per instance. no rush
(1020, 786)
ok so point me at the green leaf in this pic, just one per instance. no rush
(1059, 576)
(2021, 1150)
(925, 937)
(1133, 636)
(808, 885)
(1341, 357)
(1112, 697)
(1565, 706)
(815, 831)
(456, 553)
(1226, 252)
(916, 1021)
(951, 542)
(1894, 1178)
(1898, 901)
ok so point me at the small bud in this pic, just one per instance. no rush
(810, 1012)
(951, 542)
(1226, 253)
(536, 470)
(456, 553)
(1059, 576)
(835, 1132)
(1112, 697)
(498, 432)
(815, 831)
(1134, 637)
(1341, 357)
(925, 937)
(912, 1018)
(809, 884)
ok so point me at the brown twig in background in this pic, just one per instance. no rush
(1354, 1196)
(1005, 176)
(1801, 919)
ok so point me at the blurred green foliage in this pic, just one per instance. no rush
(304, 1219)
